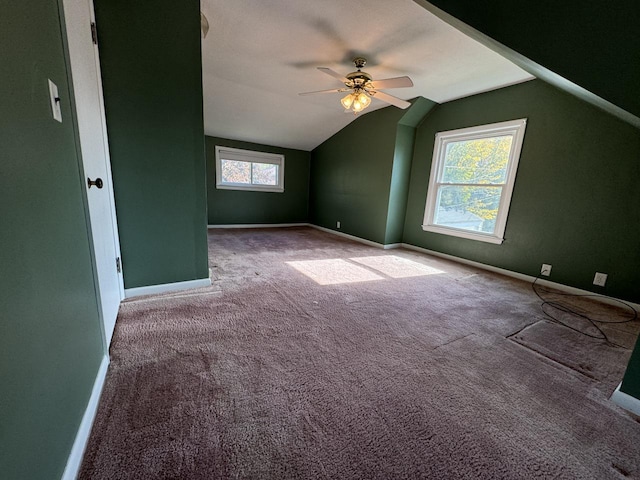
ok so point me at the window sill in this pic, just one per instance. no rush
(454, 232)
(250, 188)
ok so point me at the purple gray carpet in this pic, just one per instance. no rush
(313, 357)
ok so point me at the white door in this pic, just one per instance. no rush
(87, 85)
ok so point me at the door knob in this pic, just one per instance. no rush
(98, 182)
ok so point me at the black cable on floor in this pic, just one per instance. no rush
(559, 306)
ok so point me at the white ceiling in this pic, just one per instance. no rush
(259, 55)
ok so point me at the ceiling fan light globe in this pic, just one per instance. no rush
(347, 101)
(364, 100)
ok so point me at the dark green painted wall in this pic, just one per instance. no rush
(360, 176)
(351, 176)
(631, 382)
(228, 207)
(575, 202)
(50, 334)
(151, 71)
(399, 187)
(593, 44)
(401, 169)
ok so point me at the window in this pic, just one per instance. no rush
(246, 170)
(472, 175)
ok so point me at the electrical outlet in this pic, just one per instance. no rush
(545, 270)
(600, 279)
(338, 224)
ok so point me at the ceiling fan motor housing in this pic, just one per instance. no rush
(358, 79)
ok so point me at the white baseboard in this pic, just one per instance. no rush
(522, 276)
(317, 227)
(484, 266)
(350, 237)
(74, 462)
(260, 225)
(626, 401)
(166, 287)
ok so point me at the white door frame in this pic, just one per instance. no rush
(79, 16)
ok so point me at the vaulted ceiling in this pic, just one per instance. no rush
(258, 56)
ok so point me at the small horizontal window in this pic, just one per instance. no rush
(248, 170)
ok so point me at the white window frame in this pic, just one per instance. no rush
(249, 156)
(515, 128)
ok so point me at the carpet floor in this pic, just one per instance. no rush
(314, 357)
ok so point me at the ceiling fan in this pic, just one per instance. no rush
(361, 87)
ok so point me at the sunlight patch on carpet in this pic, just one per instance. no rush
(397, 267)
(334, 271)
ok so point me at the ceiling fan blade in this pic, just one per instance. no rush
(333, 90)
(385, 97)
(396, 82)
(328, 71)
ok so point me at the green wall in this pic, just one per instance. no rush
(360, 176)
(228, 207)
(631, 382)
(151, 72)
(351, 175)
(593, 44)
(50, 334)
(401, 168)
(399, 184)
(575, 201)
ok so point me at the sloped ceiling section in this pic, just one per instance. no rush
(258, 56)
(589, 49)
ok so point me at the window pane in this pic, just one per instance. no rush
(483, 160)
(234, 171)
(265, 174)
(468, 208)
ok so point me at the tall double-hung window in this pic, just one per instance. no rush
(472, 176)
(248, 170)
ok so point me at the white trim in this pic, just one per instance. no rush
(513, 128)
(522, 276)
(483, 266)
(260, 225)
(84, 430)
(456, 232)
(350, 237)
(251, 157)
(166, 287)
(317, 227)
(626, 401)
(250, 188)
